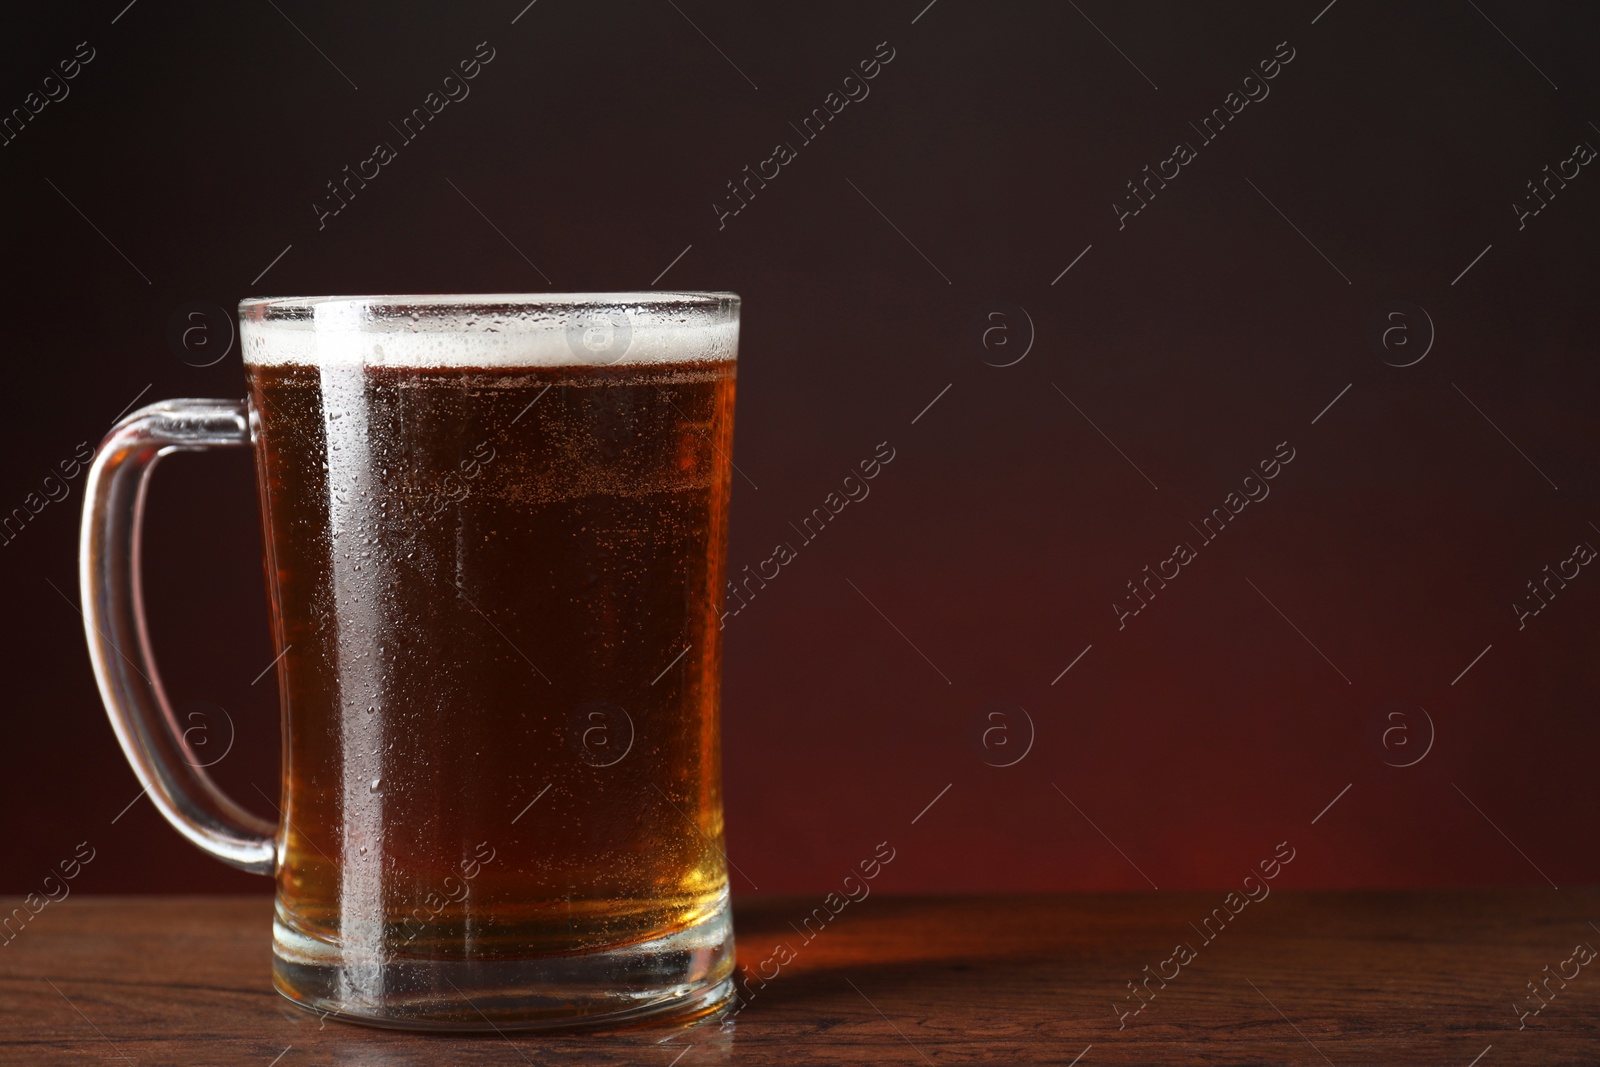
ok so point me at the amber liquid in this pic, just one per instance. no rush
(483, 580)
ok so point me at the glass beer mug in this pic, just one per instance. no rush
(496, 532)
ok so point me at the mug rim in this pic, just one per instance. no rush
(259, 308)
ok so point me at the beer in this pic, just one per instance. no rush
(495, 589)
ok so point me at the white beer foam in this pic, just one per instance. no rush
(495, 330)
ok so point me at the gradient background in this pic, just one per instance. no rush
(987, 558)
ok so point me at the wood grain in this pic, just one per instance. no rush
(1298, 978)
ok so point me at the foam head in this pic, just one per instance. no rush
(493, 330)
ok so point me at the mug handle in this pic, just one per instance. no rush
(119, 643)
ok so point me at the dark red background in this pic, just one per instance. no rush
(1197, 338)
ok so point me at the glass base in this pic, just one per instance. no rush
(682, 975)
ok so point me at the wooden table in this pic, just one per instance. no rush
(1297, 978)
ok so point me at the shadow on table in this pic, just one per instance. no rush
(872, 958)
